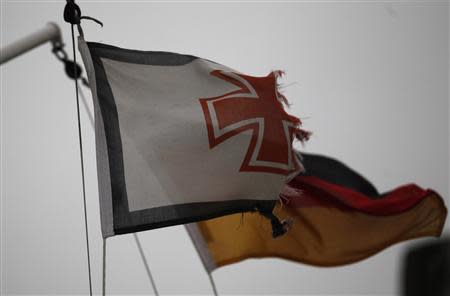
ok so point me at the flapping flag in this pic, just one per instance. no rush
(336, 216)
(182, 139)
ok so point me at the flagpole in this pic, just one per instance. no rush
(50, 32)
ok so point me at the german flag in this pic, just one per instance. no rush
(335, 217)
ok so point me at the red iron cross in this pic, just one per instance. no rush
(256, 106)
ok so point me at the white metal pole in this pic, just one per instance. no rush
(50, 32)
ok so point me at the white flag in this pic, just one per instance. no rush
(182, 139)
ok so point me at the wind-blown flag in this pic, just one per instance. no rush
(337, 217)
(182, 139)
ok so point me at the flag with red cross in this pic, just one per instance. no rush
(181, 139)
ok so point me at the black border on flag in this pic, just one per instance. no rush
(126, 221)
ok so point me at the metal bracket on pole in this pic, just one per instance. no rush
(50, 32)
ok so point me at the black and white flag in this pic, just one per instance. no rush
(182, 139)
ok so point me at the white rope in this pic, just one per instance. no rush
(144, 260)
(104, 268)
(213, 284)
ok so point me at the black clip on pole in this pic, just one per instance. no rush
(72, 15)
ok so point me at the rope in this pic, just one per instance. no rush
(213, 284)
(104, 268)
(144, 260)
(80, 140)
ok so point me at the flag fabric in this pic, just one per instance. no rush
(182, 139)
(335, 215)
